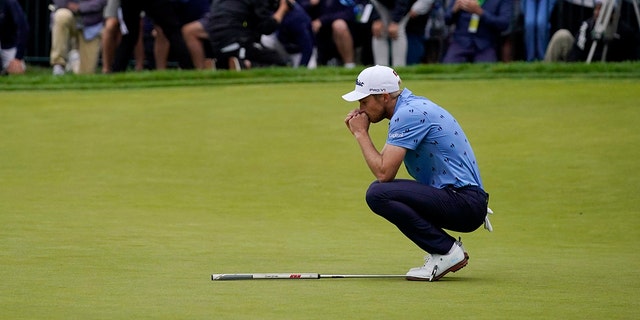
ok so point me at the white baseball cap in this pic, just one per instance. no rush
(374, 80)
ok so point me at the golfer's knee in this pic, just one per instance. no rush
(374, 195)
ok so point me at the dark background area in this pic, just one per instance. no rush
(565, 15)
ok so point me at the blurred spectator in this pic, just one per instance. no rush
(296, 36)
(331, 21)
(197, 41)
(388, 31)
(478, 26)
(186, 11)
(14, 32)
(536, 27)
(510, 38)
(235, 29)
(436, 32)
(163, 15)
(361, 32)
(77, 23)
(194, 32)
(111, 35)
(416, 30)
(564, 46)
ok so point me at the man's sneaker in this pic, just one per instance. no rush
(58, 70)
(437, 265)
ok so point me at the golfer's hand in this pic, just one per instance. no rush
(358, 122)
(350, 115)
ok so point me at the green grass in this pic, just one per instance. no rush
(119, 204)
(40, 78)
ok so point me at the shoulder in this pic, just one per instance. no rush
(410, 104)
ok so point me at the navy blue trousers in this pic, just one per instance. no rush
(422, 212)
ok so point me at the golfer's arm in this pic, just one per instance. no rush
(384, 165)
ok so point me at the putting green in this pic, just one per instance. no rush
(121, 203)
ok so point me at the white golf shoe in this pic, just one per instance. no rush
(437, 265)
(58, 70)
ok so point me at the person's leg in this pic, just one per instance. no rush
(415, 49)
(380, 36)
(162, 14)
(421, 212)
(110, 34)
(399, 46)
(543, 26)
(259, 56)
(296, 35)
(62, 29)
(110, 40)
(326, 48)
(343, 41)
(304, 38)
(560, 46)
(530, 9)
(193, 33)
(487, 55)
(89, 53)
(456, 53)
(506, 48)
(131, 10)
(161, 48)
(138, 51)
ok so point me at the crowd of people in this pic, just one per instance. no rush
(87, 35)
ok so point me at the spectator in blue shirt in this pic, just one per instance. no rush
(478, 26)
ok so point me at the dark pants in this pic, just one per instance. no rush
(460, 54)
(421, 212)
(256, 53)
(162, 13)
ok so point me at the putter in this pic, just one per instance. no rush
(295, 276)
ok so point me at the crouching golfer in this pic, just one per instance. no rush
(447, 192)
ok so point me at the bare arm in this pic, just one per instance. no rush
(282, 10)
(385, 164)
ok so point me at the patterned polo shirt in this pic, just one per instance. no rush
(438, 152)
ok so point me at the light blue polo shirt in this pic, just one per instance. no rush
(438, 152)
